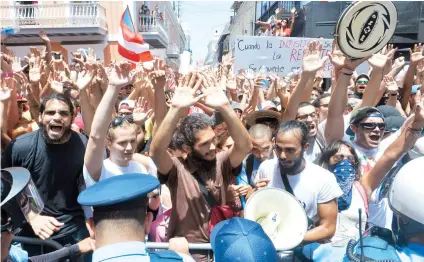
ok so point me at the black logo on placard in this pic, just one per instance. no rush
(381, 15)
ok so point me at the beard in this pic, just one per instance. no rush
(295, 167)
(200, 162)
(66, 134)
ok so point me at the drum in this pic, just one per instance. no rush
(365, 28)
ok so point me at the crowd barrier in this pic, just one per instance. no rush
(149, 245)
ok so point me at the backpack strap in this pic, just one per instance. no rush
(364, 195)
(249, 167)
(208, 195)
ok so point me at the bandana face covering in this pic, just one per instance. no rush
(345, 176)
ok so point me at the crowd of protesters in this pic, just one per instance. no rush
(212, 140)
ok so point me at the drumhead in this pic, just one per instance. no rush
(365, 28)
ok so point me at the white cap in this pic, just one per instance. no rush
(406, 194)
(418, 149)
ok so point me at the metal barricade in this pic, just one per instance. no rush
(284, 255)
(37, 242)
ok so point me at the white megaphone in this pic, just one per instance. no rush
(281, 216)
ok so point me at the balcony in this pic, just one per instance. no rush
(153, 31)
(173, 51)
(72, 19)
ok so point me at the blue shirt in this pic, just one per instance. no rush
(122, 252)
(242, 177)
(127, 252)
(17, 254)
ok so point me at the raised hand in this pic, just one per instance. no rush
(55, 82)
(246, 112)
(416, 56)
(337, 58)
(400, 62)
(91, 56)
(35, 70)
(390, 84)
(378, 61)
(185, 94)
(311, 60)
(142, 111)
(5, 90)
(250, 75)
(215, 97)
(120, 76)
(227, 61)
(158, 74)
(43, 36)
(84, 80)
(6, 63)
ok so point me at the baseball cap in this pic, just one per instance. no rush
(19, 98)
(126, 105)
(393, 123)
(361, 113)
(243, 240)
(236, 105)
(388, 111)
(268, 105)
(362, 76)
(415, 89)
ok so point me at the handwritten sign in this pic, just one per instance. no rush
(280, 55)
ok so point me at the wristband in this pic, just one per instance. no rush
(346, 73)
(415, 130)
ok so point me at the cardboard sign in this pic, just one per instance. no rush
(280, 55)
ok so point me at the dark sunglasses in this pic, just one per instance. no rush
(338, 158)
(372, 126)
(362, 82)
(117, 121)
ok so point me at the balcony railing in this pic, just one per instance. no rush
(173, 50)
(149, 23)
(150, 26)
(53, 16)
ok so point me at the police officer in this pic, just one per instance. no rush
(117, 228)
(406, 199)
(20, 202)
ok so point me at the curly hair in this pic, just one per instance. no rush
(191, 125)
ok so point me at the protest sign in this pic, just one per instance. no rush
(280, 55)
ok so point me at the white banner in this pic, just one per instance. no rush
(279, 55)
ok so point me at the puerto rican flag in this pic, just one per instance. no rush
(131, 45)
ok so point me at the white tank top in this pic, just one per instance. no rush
(348, 221)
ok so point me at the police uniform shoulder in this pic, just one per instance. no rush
(165, 255)
(118, 189)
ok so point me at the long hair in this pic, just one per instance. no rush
(332, 149)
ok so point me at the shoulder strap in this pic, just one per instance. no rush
(364, 195)
(285, 181)
(208, 196)
(249, 167)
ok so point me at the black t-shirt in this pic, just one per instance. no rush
(56, 170)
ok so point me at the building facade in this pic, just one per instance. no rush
(211, 57)
(72, 25)
(242, 22)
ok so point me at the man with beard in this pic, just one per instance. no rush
(202, 168)
(54, 155)
(315, 188)
(360, 84)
